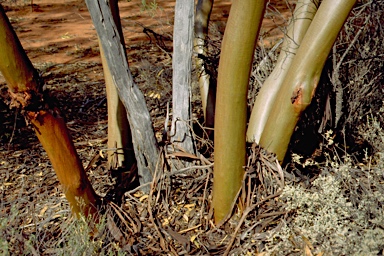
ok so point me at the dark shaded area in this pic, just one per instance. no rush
(307, 139)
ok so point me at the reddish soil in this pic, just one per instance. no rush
(62, 31)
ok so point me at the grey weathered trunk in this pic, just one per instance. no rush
(144, 142)
(182, 66)
(120, 153)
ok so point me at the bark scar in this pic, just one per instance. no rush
(297, 96)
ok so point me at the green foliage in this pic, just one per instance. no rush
(73, 237)
(12, 240)
(372, 131)
(340, 214)
(76, 238)
(150, 7)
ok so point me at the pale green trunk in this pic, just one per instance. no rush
(303, 75)
(231, 105)
(302, 17)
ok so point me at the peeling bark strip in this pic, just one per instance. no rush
(207, 90)
(143, 137)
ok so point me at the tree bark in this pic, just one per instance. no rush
(181, 134)
(143, 137)
(26, 92)
(302, 17)
(120, 149)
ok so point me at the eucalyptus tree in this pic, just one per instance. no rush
(303, 75)
(281, 104)
(235, 65)
(26, 90)
(119, 134)
(283, 98)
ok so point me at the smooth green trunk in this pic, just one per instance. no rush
(231, 105)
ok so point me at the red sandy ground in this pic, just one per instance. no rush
(62, 31)
(59, 28)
